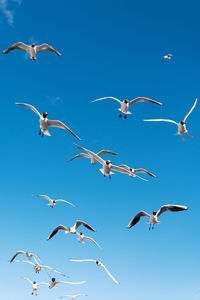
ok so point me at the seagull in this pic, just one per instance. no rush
(126, 103)
(181, 125)
(53, 202)
(28, 255)
(82, 237)
(34, 285)
(168, 56)
(70, 229)
(37, 267)
(52, 284)
(140, 170)
(106, 165)
(31, 49)
(73, 297)
(98, 264)
(45, 123)
(153, 219)
(93, 160)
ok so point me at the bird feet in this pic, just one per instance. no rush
(191, 137)
(120, 115)
(125, 117)
(109, 177)
(39, 132)
(183, 139)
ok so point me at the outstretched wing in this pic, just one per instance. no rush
(93, 241)
(43, 196)
(18, 252)
(79, 155)
(124, 166)
(26, 261)
(27, 279)
(144, 171)
(107, 98)
(60, 227)
(56, 123)
(31, 107)
(195, 102)
(19, 46)
(171, 207)
(61, 200)
(109, 274)
(56, 271)
(79, 223)
(82, 260)
(161, 120)
(136, 218)
(121, 170)
(98, 158)
(46, 47)
(102, 152)
(69, 282)
(143, 99)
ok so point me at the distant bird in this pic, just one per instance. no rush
(126, 103)
(153, 219)
(34, 285)
(28, 255)
(70, 229)
(73, 297)
(106, 165)
(45, 123)
(53, 202)
(82, 237)
(53, 282)
(98, 264)
(181, 125)
(168, 56)
(31, 49)
(93, 160)
(140, 170)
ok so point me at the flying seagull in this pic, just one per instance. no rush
(168, 56)
(107, 166)
(98, 264)
(181, 125)
(53, 282)
(34, 285)
(45, 123)
(70, 229)
(93, 160)
(31, 49)
(140, 170)
(53, 202)
(126, 103)
(82, 237)
(73, 297)
(28, 255)
(153, 219)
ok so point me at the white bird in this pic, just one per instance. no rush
(98, 264)
(31, 49)
(153, 219)
(53, 282)
(28, 255)
(70, 229)
(82, 237)
(93, 160)
(34, 285)
(45, 123)
(53, 202)
(181, 125)
(126, 103)
(73, 297)
(140, 170)
(107, 166)
(168, 56)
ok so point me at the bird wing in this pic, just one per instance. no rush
(143, 99)
(26, 261)
(98, 158)
(136, 218)
(43, 283)
(107, 98)
(82, 260)
(102, 152)
(18, 252)
(56, 271)
(144, 171)
(79, 155)
(27, 279)
(161, 120)
(61, 200)
(43, 196)
(79, 223)
(19, 46)
(46, 47)
(109, 274)
(56, 123)
(193, 106)
(93, 241)
(31, 107)
(171, 207)
(68, 282)
(59, 227)
(124, 166)
(119, 169)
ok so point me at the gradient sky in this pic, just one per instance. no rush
(109, 48)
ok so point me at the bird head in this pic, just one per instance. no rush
(182, 122)
(108, 162)
(154, 213)
(53, 279)
(32, 45)
(45, 114)
(126, 101)
(97, 262)
(81, 233)
(34, 282)
(54, 201)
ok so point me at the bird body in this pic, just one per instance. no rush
(52, 202)
(82, 237)
(168, 56)
(29, 255)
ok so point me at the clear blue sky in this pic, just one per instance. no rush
(109, 48)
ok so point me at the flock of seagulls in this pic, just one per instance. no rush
(107, 169)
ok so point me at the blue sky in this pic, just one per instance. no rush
(109, 48)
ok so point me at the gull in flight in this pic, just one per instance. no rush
(45, 123)
(34, 285)
(31, 49)
(181, 125)
(153, 219)
(53, 282)
(107, 166)
(82, 237)
(93, 160)
(126, 103)
(98, 264)
(140, 170)
(73, 297)
(70, 229)
(168, 56)
(53, 202)
(28, 255)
